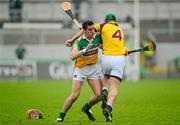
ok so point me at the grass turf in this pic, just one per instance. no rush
(145, 102)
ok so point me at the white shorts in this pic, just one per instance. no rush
(87, 72)
(113, 66)
(20, 63)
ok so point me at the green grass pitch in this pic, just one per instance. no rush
(146, 102)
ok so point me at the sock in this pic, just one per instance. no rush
(104, 88)
(109, 107)
(87, 106)
(62, 115)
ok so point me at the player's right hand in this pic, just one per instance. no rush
(69, 43)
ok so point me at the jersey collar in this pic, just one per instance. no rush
(113, 22)
(84, 37)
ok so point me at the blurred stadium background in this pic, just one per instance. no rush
(43, 28)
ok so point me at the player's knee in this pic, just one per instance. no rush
(113, 95)
(74, 96)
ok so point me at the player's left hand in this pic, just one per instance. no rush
(89, 46)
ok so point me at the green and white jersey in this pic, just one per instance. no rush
(91, 56)
(20, 51)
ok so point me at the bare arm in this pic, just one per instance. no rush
(71, 41)
(75, 53)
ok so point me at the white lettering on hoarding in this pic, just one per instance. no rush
(8, 71)
(60, 71)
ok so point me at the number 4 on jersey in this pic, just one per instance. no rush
(117, 34)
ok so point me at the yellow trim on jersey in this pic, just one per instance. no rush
(112, 38)
(82, 61)
(91, 56)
